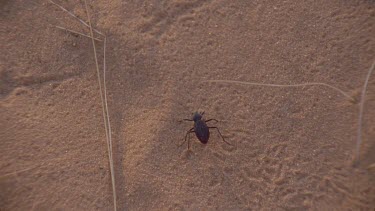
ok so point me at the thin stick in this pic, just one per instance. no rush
(284, 85)
(105, 99)
(105, 95)
(76, 17)
(75, 32)
(108, 122)
(371, 166)
(361, 106)
(104, 113)
(17, 172)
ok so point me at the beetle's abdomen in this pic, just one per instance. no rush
(201, 131)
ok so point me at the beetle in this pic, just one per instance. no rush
(201, 130)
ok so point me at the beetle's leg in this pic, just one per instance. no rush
(187, 133)
(220, 134)
(212, 119)
(189, 141)
(188, 120)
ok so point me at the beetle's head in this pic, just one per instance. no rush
(197, 116)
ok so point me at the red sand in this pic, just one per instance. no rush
(293, 146)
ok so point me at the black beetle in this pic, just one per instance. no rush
(201, 130)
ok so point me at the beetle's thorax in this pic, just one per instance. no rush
(197, 116)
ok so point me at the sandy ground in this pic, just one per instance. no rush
(293, 147)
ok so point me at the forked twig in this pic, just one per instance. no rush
(107, 124)
(104, 103)
(360, 117)
(284, 85)
(76, 17)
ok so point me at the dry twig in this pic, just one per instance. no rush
(360, 117)
(105, 109)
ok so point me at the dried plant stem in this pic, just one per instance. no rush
(105, 97)
(360, 117)
(361, 105)
(76, 17)
(17, 172)
(104, 108)
(106, 118)
(283, 85)
(371, 166)
(75, 32)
